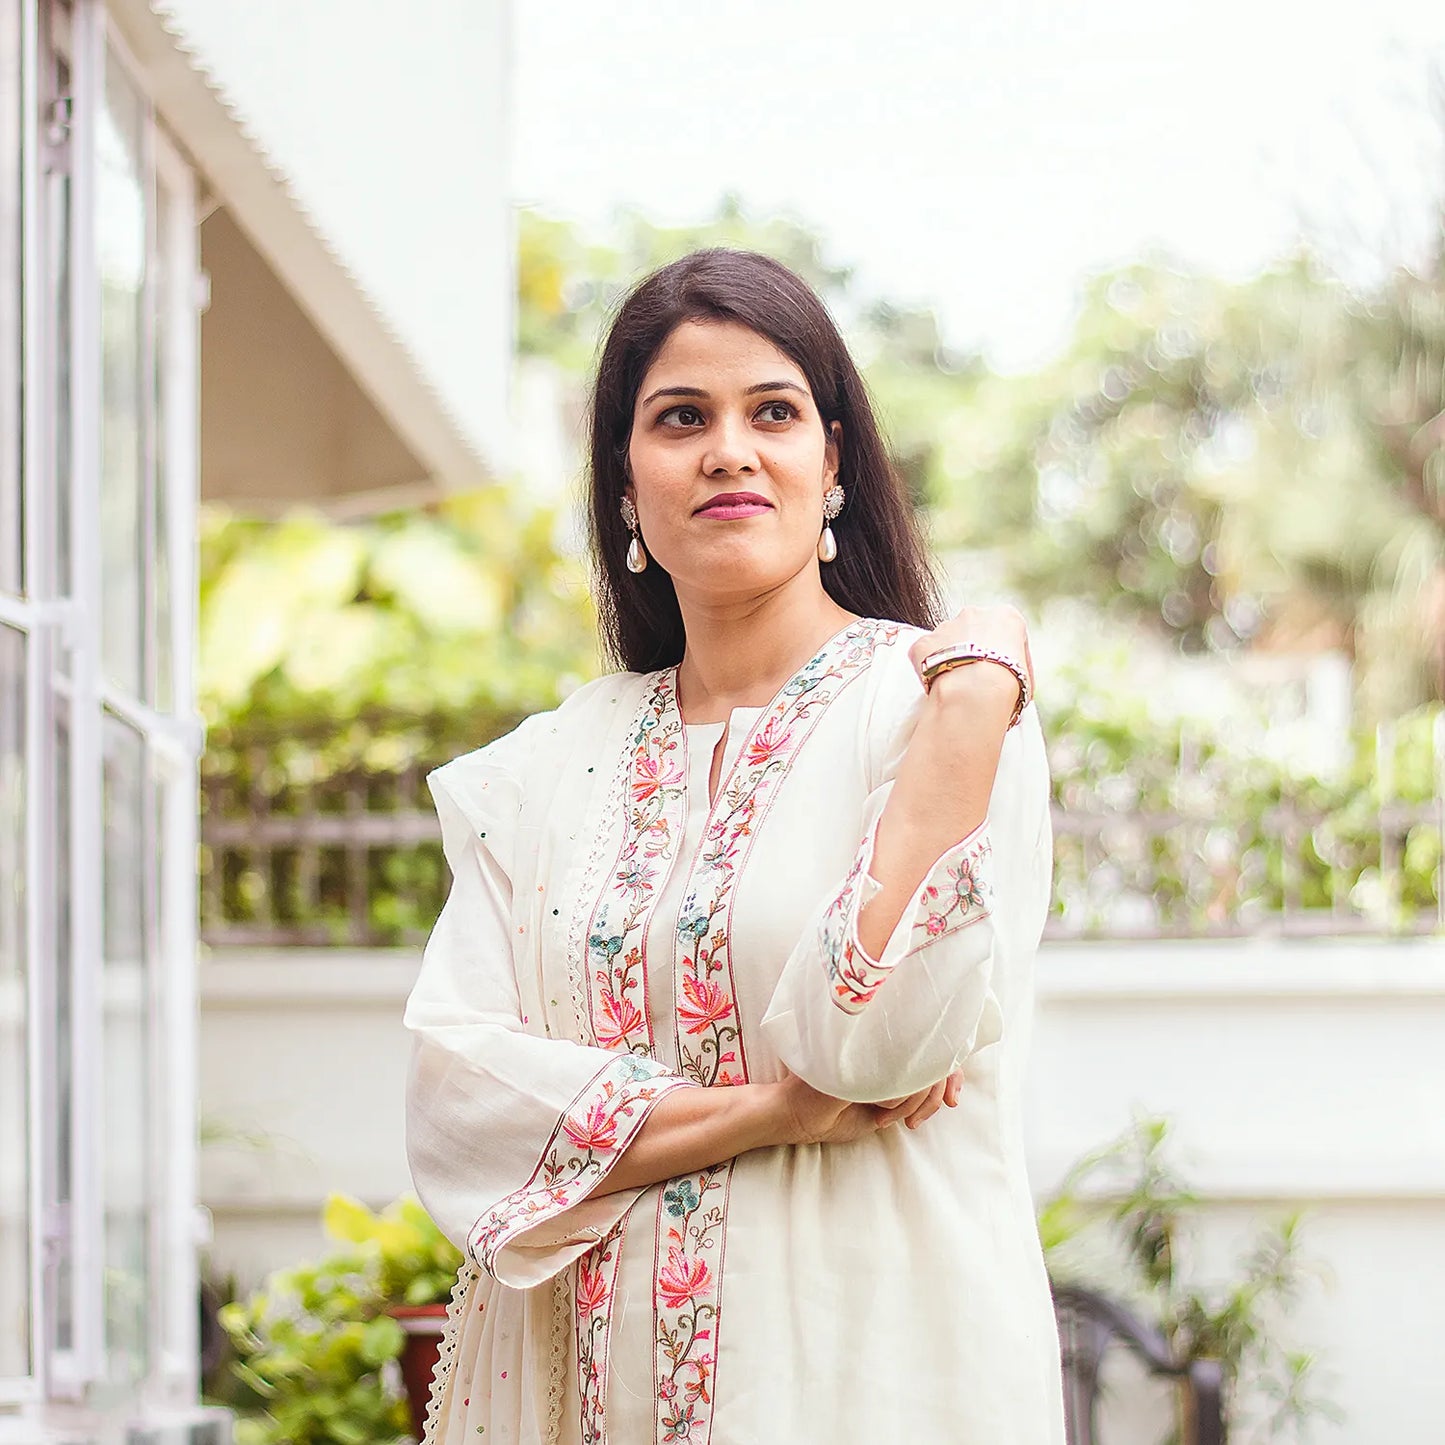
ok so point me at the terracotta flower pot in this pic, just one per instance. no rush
(424, 1325)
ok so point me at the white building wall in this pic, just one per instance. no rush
(390, 119)
(1294, 1075)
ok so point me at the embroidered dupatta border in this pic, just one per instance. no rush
(588, 1140)
(654, 787)
(958, 891)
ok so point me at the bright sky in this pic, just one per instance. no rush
(984, 158)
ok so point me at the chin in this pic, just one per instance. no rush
(734, 572)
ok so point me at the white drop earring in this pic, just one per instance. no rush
(636, 557)
(832, 505)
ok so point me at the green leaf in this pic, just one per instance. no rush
(383, 1340)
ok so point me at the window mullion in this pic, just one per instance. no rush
(87, 1221)
(179, 337)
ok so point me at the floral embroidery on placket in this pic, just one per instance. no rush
(692, 1209)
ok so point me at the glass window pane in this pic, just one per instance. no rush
(130, 873)
(14, 1049)
(11, 362)
(121, 195)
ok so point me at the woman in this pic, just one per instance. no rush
(728, 929)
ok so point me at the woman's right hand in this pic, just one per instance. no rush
(813, 1117)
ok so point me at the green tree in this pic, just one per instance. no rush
(1218, 460)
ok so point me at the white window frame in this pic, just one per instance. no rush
(56, 1389)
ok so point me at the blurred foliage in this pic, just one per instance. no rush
(1122, 1222)
(314, 1348)
(1217, 825)
(341, 661)
(1220, 460)
(1229, 463)
(464, 610)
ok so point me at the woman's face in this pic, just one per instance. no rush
(729, 461)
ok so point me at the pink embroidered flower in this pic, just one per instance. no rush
(649, 778)
(703, 1005)
(681, 1279)
(596, 1130)
(591, 1289)
(666, 1389)
(768, 744)
(619, 1018)
(936, 924)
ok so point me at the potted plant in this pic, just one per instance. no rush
(327, 1352)
(417, 1267)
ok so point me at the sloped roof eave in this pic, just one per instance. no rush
(261, 198)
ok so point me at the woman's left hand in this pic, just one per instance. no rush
(918, 1108)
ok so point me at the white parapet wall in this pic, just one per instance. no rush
(1294, 1075)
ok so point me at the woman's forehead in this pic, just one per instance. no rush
(719, 355)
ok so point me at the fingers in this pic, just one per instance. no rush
(932, 1103)
(896, 1109)
(919, 1108)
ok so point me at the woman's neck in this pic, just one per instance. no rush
(740, 654)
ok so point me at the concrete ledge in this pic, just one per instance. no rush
(299, 977)
(1253, 969)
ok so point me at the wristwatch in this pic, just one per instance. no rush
(964, 653)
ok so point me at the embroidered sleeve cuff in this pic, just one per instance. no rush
(522, 1239)
(958, 891)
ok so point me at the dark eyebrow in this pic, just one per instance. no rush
(699, 392)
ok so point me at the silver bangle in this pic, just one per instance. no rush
(964, 653)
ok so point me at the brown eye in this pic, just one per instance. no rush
(681, 416)
(778, 411)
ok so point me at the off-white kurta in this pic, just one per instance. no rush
(611, 935)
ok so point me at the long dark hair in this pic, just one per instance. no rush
(882, 568)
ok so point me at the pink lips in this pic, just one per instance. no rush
(729, 505)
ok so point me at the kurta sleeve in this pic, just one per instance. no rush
(867, 1029)
(510, 1134)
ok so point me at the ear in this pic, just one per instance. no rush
(832, 453)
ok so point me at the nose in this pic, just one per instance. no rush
(730, 449)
